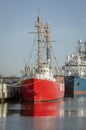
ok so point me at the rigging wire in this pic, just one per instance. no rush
(59, 70)
(31, 52)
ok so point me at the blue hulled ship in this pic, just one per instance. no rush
(75, 72)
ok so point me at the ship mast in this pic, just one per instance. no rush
(47, 37)
(79, 60)
(39, 41)
(38, 25)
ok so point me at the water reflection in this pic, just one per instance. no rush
(75, 107)
(59, 115)
(3, 110)
(43, 109)
(44, 114)
(68, 107)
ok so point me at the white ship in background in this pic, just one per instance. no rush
(75, 71)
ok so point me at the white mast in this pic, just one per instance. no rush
(47, 37)
(39, 41)
(38, 25)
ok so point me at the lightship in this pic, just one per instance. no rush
(39, 83)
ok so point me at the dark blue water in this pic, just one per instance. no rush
(67, 114)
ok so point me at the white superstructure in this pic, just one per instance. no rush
(76, 63)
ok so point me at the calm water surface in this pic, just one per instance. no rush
(67, 114)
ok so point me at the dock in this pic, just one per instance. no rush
(9, 89)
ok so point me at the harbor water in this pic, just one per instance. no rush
(67, 114)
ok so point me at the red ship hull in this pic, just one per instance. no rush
(41, 90)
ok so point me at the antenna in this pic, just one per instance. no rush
(38, 12)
